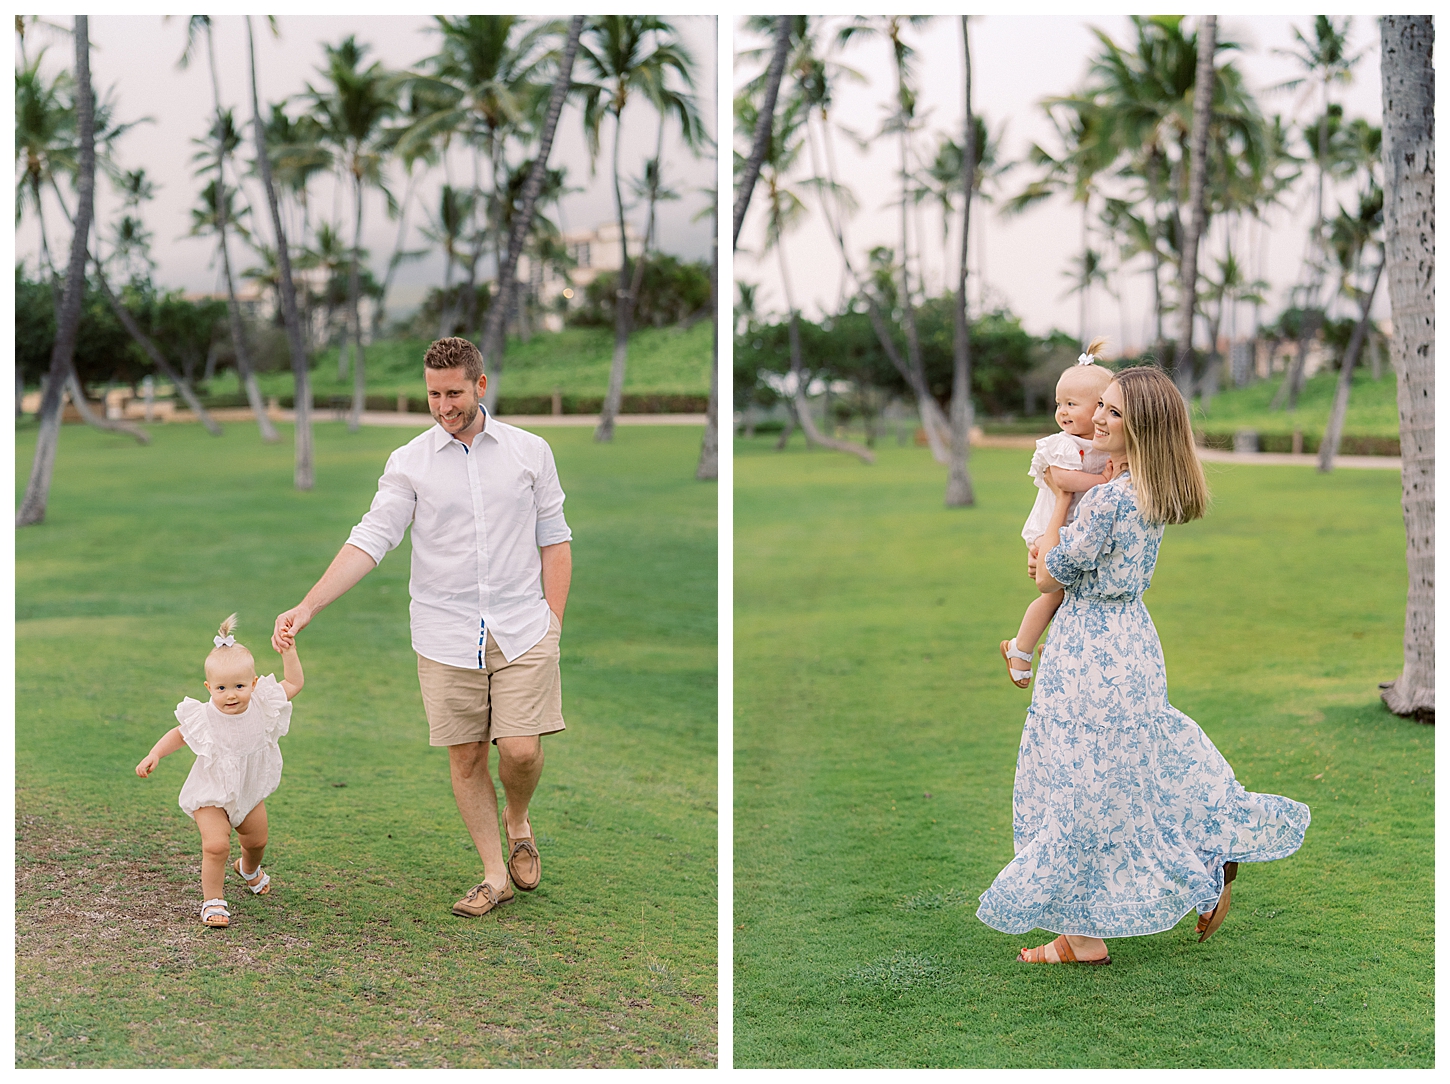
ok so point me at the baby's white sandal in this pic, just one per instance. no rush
(259, 888)
(1020, 678)
(214, 913)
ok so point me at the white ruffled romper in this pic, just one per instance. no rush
(1058, 450)
(238, 762)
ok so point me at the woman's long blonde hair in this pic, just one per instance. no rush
(1167, 477)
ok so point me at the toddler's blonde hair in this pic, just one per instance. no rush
(1096, 377)
(1167, 476)
(226, 654)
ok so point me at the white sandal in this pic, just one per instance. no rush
(259, 888)
(214, 913)
(1020, 678)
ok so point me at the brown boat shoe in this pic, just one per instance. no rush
(481, 899)
(525, 867)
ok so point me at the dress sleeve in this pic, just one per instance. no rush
(191, 721)
(276, 708)
(1060, 450)
(550, 527)
(1082, 542)
(382, 526)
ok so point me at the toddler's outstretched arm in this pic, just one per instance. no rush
(170, 742)
(1076, 481)
(291, 669)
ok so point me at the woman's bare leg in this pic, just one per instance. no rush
(216, 848)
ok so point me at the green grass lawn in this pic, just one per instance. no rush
(667, 360)
(1371, 413)
(875, 743)
(354, 958)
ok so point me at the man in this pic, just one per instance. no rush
(490, 577)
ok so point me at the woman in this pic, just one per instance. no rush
(1125, 816)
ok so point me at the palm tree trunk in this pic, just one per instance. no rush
(1329, 446)
(1197, 178)
(98, 421)
(959, 492)
(359, 377)
(760, 144)
(234, 312)
(396, 258)
(493, 337)
(1408, 82)
(42, 468)
(708, 468)
(302, 470)
(623, 311)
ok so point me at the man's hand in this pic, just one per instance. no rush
(147, 766)
(287, 626)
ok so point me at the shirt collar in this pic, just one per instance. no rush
(442, 438)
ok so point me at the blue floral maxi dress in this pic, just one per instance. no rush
(1123, 812)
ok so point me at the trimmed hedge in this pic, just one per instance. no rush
(1284, 443)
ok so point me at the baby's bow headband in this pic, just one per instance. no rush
(224, 641)
(1086, 359)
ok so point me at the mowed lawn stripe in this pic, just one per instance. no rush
(354, 960)
(876, 738)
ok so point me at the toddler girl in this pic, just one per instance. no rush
(1075, 468)
(234, 737)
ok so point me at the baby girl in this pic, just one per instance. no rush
(234, 736)
(1075, 468)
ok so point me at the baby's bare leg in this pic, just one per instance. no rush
(252, 835)
(1035, 621)
(216, 848)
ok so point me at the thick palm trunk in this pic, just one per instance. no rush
(760, 144)
(1329, 446)
(302, 471)
(42, 468)
(708, 468)
(959, 492)
(1408, 80)
(493, 338)
(623, 311)
(359, 375)
(1197, 177)
(99, 421)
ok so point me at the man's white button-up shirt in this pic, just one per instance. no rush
(479, 515)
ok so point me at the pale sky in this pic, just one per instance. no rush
(136, 56)
(1017, 61)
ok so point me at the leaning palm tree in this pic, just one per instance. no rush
(1408, 79)
(37, 489)
(352, 109)
(224, 140)
(625, 56)
(302, 474)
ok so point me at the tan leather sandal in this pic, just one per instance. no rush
(214, 913)
(525, 866)
(1065, 954)
(1208, 924)
(258, 882)
(1010, 651)
(481, 899)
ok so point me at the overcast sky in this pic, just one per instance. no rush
(1017, 61)
(136, 55)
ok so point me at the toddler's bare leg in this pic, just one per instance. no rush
(216, 848)
(1035, 621)
(252, 835)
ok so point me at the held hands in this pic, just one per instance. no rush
(148, 765)
(286, 628)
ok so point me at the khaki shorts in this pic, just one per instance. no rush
(503, 700)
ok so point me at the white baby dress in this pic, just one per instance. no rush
(1058, 450)
(237, 760)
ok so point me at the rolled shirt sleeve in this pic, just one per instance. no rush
(550, 527)
(1082, 542)
(382, 527)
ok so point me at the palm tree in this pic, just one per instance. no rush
(523, 213)
(302, 471)
(1203, 87)
(37, 489)
(352, 110)
(1349, 236)
(625, 55)
(959, 493)
(1408, 79)
(225, 140)
(45, 142)
(761, 136)
(448, 229)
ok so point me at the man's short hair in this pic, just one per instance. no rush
(455, 353)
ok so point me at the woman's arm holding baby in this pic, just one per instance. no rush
(170, 742)
(291, 670)
(1074, 481)
(1050, 538)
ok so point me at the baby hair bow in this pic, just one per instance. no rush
(1086, 359)
(224, 641)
